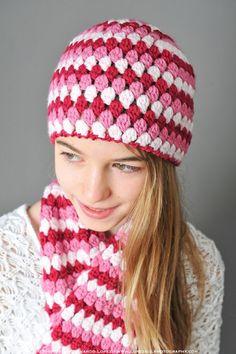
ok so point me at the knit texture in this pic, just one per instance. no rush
(124, 81)
(23, 318)
(82, 272)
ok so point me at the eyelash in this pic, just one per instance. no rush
(131, 168)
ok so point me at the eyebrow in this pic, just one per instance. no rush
(128, 158)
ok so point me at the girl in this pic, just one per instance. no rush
(106, 261)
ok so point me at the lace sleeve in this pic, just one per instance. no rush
(22, 319)
(206, 328)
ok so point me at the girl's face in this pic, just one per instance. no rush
(101, 175)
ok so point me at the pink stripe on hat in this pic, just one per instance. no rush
(116, 64)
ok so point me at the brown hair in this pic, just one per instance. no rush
(154, 274)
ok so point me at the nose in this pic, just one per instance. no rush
(96, 187)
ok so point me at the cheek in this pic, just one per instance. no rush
(64, 175)
(129, 189)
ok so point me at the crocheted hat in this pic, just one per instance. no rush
(124, 80)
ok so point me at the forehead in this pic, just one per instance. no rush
(98, 146)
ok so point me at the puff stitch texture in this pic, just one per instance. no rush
(126, 81)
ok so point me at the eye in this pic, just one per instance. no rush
(122, 167)
(69, 156)
(127, 168)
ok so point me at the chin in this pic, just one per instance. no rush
(101, 226)
(96, 226)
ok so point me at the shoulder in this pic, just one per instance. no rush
(213, 264)
(213, 261)
(19, 250)
(14, 221)
(22, 219)
(16, 232)
(206, 326)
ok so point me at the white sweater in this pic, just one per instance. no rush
(23, 321)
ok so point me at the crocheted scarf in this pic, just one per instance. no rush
(82, 272)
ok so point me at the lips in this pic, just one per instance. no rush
(96, 213)
(96, 209)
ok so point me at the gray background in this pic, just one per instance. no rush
(33, 34)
